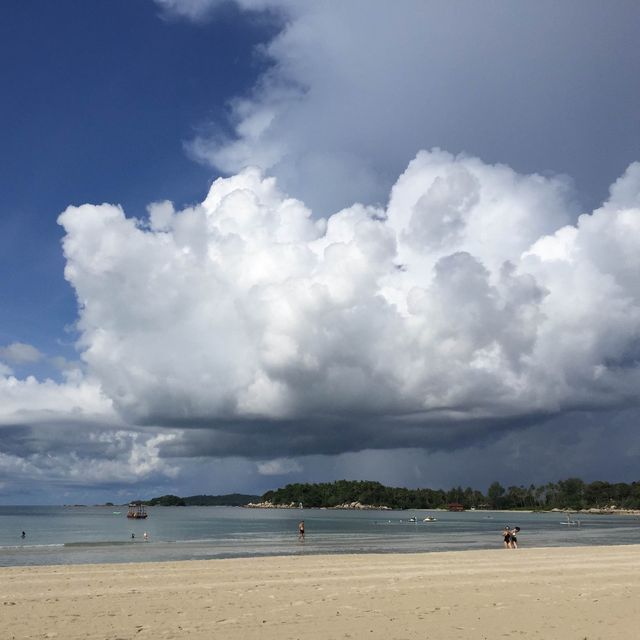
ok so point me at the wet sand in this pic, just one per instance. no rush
(568, 593)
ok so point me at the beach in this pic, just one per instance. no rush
(576, 592)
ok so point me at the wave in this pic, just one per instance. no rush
(30, 546)
(100, 543)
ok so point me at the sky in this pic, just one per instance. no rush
(251, 242)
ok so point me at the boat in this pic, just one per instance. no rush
(430, 519)
(413, 519)
(137, 511)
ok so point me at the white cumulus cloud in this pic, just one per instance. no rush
(470, 298)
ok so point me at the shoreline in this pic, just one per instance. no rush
(357, 506)
(544, 592)
(318, 556)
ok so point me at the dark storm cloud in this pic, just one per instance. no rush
(272, 439)
(355, 88)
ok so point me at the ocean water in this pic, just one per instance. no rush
(70, 535)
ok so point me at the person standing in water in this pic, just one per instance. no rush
(301, 530)
(514, 537)
(506, 534)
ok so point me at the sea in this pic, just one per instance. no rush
(101, 534)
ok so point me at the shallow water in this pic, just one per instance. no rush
(69, 535)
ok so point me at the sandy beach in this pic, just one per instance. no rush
(568, 593)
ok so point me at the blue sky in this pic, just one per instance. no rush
(98, 99)
(438, 288)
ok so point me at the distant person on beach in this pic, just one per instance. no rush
(146, 536)
(514, 537)
(301, 530)
(506, 534)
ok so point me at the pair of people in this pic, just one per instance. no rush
(510, 537)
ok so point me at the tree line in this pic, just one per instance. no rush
(572, 493)
(227, 500)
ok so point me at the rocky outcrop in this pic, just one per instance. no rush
(359, 505)
(612, 511)
(296, 505)
(270, 505)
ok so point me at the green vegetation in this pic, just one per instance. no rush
(165, 501)
(332, 494)
(228, 500)
(572, 493)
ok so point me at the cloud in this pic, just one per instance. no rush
(20, 353)
(83, 456)
(5, 370)
(356, 88)
(592, 446)
(32, 400)
(278, 467)
(470, 304)
(195, 10)
(68, 432)
(460, 304)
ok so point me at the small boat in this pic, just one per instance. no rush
(430, 519)
(412, 519)
(137, 511)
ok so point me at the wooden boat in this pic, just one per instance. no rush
(137, 511)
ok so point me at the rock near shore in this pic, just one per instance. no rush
(296, 505)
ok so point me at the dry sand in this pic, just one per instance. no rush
(564, 593)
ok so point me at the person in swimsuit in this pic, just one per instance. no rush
(301, 530)
(506, 534)
(514, 538)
